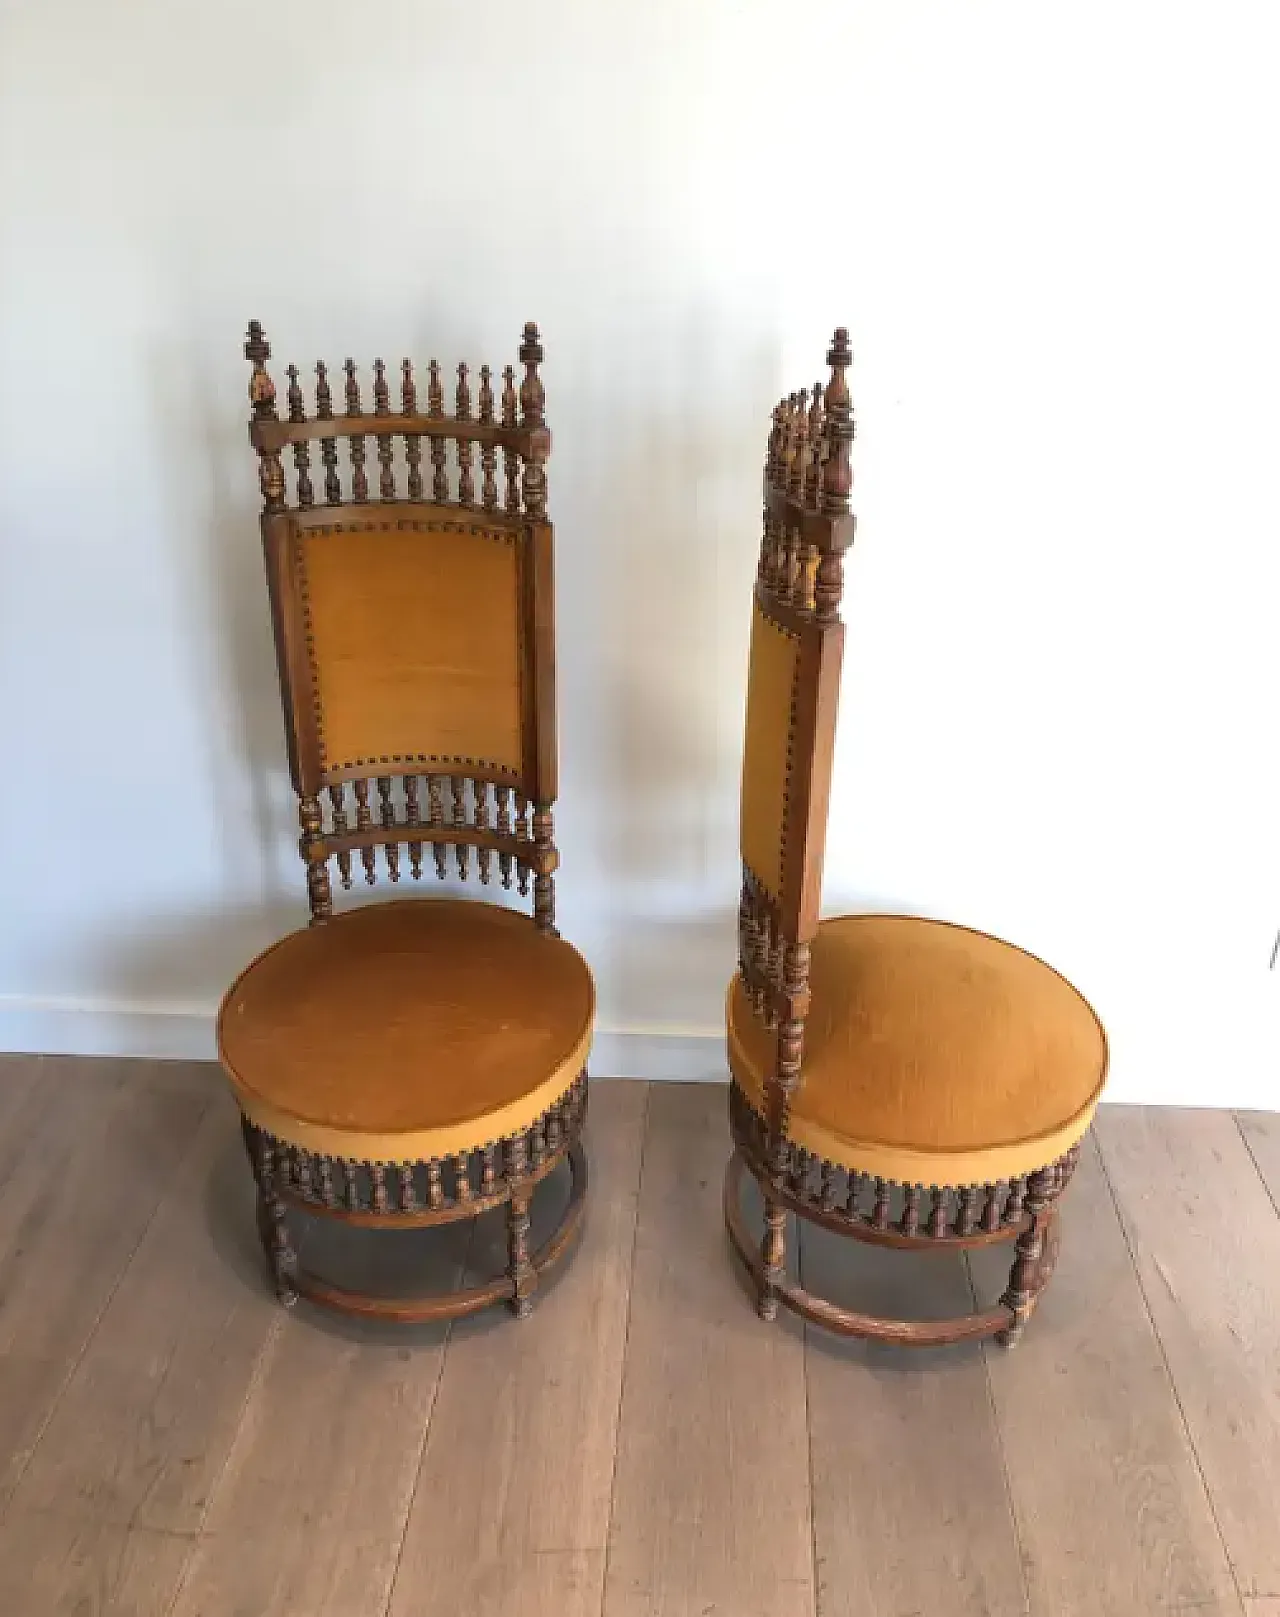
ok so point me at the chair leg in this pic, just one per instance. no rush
(773, 1255)
(524, 1277)
(273, 1227)
(1027, 1279)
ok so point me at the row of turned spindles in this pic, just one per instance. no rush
(760, 954)
(435, 803)
(473, 481)
(343, 1185)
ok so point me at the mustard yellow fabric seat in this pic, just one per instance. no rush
(407, 1031)
(932, 1054)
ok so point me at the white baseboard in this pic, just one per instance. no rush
(85, 1028)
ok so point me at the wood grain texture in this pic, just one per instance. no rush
(1261, 1131)
(144, 1427)
(711, 1496)
(910, 1507)
(57, 1566)
(311, 1507)
(1262, 1606)
(1111, 1511)
(511, 1509)
(1206, 1240)
(101, 1151)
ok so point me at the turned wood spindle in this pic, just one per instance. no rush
(359, 481)
(435, 1185)
(827, 1187)
(378, 1173)
(795, 981)
(812, 491)
(502, 794)
(510, 459)
(1020, 1296)
(462, 412)
(462, 1177)
(435, 820)
(412, 440)
(1013, 1207)
(382, 406)
(880, 1211)
(304, 1175)
(798, 462)
(488, 449)
(262, 397)
(544, 893)
(910, 1222)
(408, 1195)
(301, 453)
(488, 1171)
(413, 816)
(338, 810)
(435, 408)
(480, 791)
(991, 1212)
(364, 822)
(967, 1211)
(351, 1187)
(328, 446)
(328, 1195)
(937, 1226)
(458, 787)
(853, 1195)
(837, 472)
(522, 835)
(311, 847)
(532, 398)
(387, 816)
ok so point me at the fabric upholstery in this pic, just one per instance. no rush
(770, 684)
(932, 1054)
(407, 1031)
(415, 642)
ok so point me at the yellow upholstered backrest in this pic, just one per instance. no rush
(767, 753)
(414, 640)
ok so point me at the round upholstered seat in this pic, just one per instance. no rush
(407, 1031)
(932, 1054)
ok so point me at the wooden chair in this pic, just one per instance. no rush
(421, 1061)
(897, 1080)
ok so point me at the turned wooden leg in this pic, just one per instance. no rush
(1026, 1280)
(273, 1228)
(773, 1253)
(524, 1277)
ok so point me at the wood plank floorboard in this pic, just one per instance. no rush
(512, 1501)
(1111, 1511)
(711, 1499)
(1206, 1238)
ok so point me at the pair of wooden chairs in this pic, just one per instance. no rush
(417, 1062)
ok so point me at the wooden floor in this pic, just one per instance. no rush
(173, 1445)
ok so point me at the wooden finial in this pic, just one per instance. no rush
(532, 396)
(353, 388)
(488, 450)
(412, 442)
(408, 393)
(508, 396)
(386, 468)
(462, 396)
(297, 409)
(837, 475)
(799, 458)
(262, 390)
(359, 481)
(462, 411)
(435, 394)
(381, 398)
(811, 491)
(328, 446)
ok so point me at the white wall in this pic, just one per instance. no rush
(1052, 232)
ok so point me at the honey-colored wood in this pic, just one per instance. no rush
(711, 1497)
(1111, 1510)
(539, 1409)
(1206, 1241)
